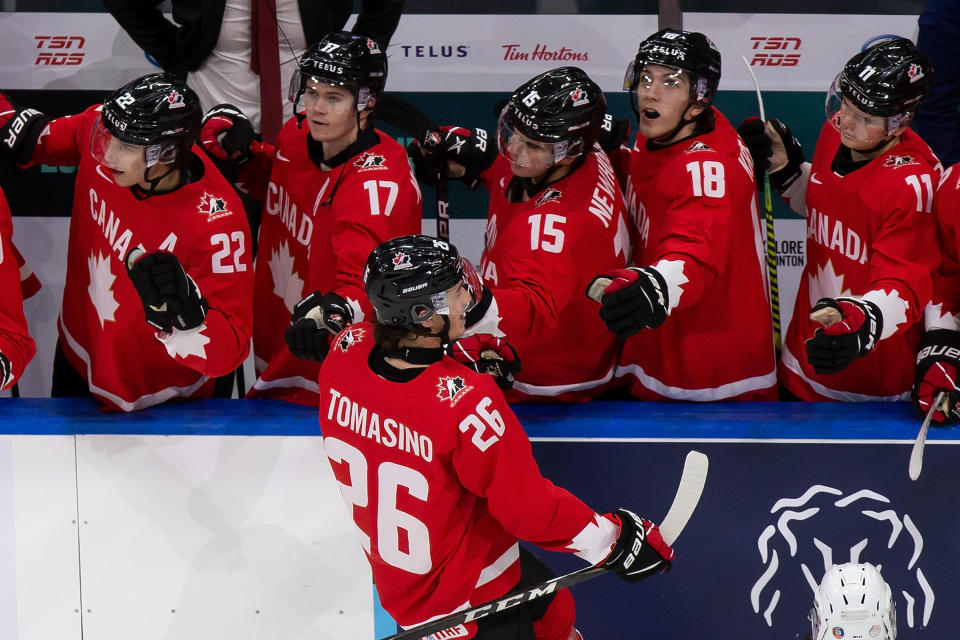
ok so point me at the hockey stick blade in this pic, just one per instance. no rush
(684, 503)
(916, 454)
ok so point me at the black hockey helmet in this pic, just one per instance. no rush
(345, 60)
(407, 279)
(689, 51)
(563, 107)
(158, 112)
(890, 78)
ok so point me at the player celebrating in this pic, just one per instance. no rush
(694, 311)
(16, 346)
(437, 471)
(855, 599)
(871, 248)
(556, 218)
(148, 205)
(333, 187)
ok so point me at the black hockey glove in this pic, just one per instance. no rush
(315, 320)
(6, 372)
(485, 353)
(19, 131)
(631, 299)
(781, 178)
(754, 135)
(170, 297)
(471, 148)
(640, 551)
(938, 369)
(613, 132)
(851, 329)
(226, 134)
(786, 152)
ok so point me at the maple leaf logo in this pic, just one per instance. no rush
(175, 100)
(697, 146)
(826, 283)
(287, 285)
(212, 206)
(369, 160)
(401, 261)
(349, 338)
(100, 288)
(899, 161)
(451, 388)
(192, 342)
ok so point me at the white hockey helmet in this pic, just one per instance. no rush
(853, 602)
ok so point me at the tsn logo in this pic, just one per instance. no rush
(53, 54)
(762, 44)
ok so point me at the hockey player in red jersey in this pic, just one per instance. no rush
(438, 473)
(694, 310)
(556, 218)
(158, 290)
(16, 346)
(333, 187)
(871, 246)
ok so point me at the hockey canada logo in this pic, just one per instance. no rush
(812, 532)
(548, 196)
(373, 46)
(915, 72)
(458, 631)
(899, 161)
(213, 206)
(175, 100)
(349, 338)
(401, 261)
(697, 146)
(369, 161)
(579, 97)
(452, 388)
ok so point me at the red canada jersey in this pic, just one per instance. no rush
(540, 256)
(15, 341)
(693, 209)
(943, 312)
(441, 482)
(104, 334)
(870, 234)
(318, 229)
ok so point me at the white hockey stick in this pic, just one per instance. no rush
(684, 503)
(916, 454)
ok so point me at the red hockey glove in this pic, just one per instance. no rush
(640, 551)
(632, 299)
(170, 297)
(471, 148)
(938, 364)
(226, 134)
(851, 329)
(6, 372)
(613, 132)
(19, 131)
(315, 320)
(485, 353)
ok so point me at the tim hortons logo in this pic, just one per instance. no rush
(54, 50)
(764, 44)
(542, 52)
(811, 532)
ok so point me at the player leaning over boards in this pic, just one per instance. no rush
(333, 187)
(441, 456)
(16, 346)
(183, 315)
(871, 245)
(556, 218)
(694, 310)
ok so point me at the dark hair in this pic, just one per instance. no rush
(388, 337)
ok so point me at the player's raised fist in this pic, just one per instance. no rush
(170, 297)
(489, 354)
(226, 133)
(640, 551)
(631, 299)
(851, 329)
(315, 320)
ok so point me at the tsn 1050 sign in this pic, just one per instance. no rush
(60, 50)
(775, 51)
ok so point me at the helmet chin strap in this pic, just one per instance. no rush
(423, 355)
(666, 138)
(142, 194)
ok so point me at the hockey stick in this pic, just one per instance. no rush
(407, 118)
(916, 454)
(684, 503)
(768, 220)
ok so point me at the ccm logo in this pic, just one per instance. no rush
(54, 53)
(776, 43)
